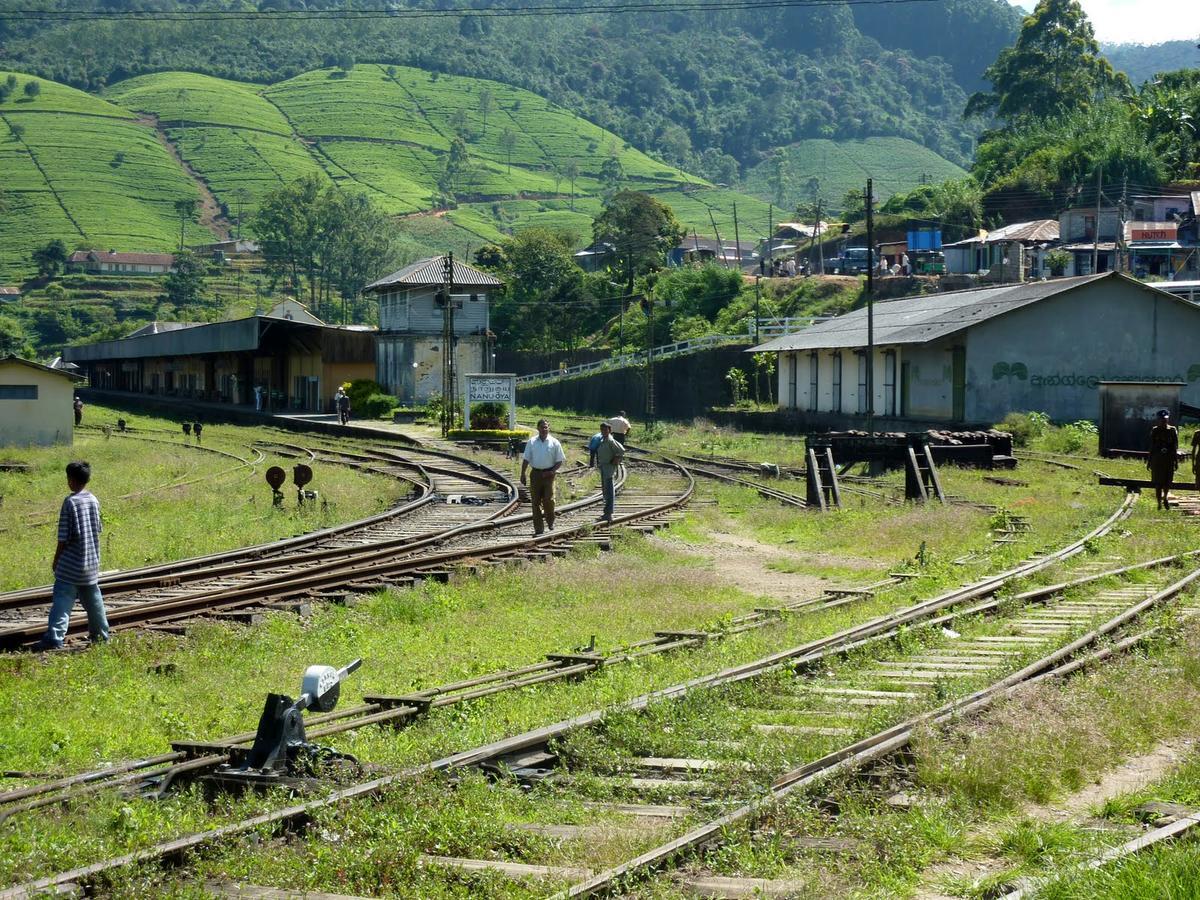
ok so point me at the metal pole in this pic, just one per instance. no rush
(870, 314)
(1096, 232)
(770, 233)
(737, 239)
(757, 298)
(720, 243)
(649, 306)
(813, 242)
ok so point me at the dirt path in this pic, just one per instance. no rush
(1133, 774)
(211, 216)
(744, 563)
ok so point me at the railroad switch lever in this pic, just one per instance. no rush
(280, 745)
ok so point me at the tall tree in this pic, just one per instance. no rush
(186, 210)
(50, 259)
(487, 103)
(185, 284)
(641, 228)
(572, 172)
(508, 143)
(1054, 67)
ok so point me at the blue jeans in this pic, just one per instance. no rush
(609, 489)
(63, 602)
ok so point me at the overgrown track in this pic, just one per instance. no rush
(537, 745)
(379, 552)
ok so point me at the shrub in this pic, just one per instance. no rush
(1072, 437)
(1024, 426)
(360, 390)
(375, 406)
(488, 416)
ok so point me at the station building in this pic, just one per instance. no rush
(296, 360)
(35, 404)
(974, 356)
(411, 321)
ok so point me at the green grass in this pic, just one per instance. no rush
(896, 165)
(163, 498)
(81, 170)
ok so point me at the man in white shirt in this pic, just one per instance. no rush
(620, 427)
(543, 454)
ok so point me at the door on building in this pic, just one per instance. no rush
(905, 378)
(958, 382)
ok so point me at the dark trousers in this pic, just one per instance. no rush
(541, 496)
(609, 488)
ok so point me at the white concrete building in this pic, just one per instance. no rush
(35, 404)
(974, 356)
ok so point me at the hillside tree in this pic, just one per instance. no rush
(571, 171)
(487, 103)
(50, 259)
(642, 228)
(186, 210)
(184, 285)
(1054, 67)
(32, 88)
(508, 143)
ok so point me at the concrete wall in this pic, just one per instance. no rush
(1111, 330)
(42, 421)
(686, 387)
(529, 362)
(797, 395)
(417, 384)
(416, 310)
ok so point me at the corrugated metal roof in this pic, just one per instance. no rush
(160, 327)
(429, 273)
(1037, 230)
(36, 365)
(112, 256)
(915, 320)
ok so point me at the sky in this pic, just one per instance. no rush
(1139, 21)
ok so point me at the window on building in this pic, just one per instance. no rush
(889, 383)
(862, 382)
(18, 391)
(836, 384)
(1089, 227)
(814, 368)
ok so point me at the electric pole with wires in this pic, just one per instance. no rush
(448, 373)
(867, 205)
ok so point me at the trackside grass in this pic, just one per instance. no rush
(163, 497)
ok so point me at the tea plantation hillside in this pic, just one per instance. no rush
(83, 170)
(896, 164)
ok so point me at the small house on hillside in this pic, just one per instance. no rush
(1011, 253)
(976, 355)
(9, 293)
(110, 262)
(704, 250)
(1162, 236)
(1083, 233)
(35, 404)
(412, 313)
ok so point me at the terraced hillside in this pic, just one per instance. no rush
(896, 164)
(386, 130)
(82, 169)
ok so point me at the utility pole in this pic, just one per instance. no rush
(770, 233)
(720, 243)
(737, 240)
(1122, 247)
(448, 386)
(648, 309)
(870, 310)
(1096, 231)
(628, 295)
(813, 242)
(757, 300)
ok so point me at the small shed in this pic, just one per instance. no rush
(35, 404)
(1129, 409)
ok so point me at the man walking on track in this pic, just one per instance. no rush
(77, 562)
(544, 454)
(608, 456)
(620, 427)
(1163, 458)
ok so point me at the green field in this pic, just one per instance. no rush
(79, 168)
(895, 164)
(99, 172)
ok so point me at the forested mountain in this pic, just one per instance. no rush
(1141, 62)
(712, 91)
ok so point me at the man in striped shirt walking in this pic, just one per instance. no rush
(77, 562)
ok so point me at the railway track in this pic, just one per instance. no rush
(534, 754)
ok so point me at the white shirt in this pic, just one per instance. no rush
(544, 454)
(619, 425)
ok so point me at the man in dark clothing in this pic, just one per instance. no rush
(78, 405)
(1164, 453)
(77, 562)
(343, 406)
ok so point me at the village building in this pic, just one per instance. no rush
(9, 293)
(35, 404)
(1085, 232)
(699, 250)
(296, 361)
(110, 262)
(1012, 253)
(412, 315)
(1161, 237)
(974, 356)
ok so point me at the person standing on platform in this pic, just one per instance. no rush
(544, 454)
(342, 401)
(620, 427)
(77, 562)
(1163, 458)
(258, 398)
(608, 457)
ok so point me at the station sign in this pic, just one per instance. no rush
(491, 388)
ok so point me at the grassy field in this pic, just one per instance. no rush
(896, 165)
(144, 480)
(81, 169)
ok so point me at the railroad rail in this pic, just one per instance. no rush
(940, 610)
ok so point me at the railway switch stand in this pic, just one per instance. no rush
(281, 749)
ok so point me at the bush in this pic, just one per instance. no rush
(1071, 438)
(488, 416)
(375, 406)
(361, 390)
(1024, 427)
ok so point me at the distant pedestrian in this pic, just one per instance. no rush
(904, 266)
(258, 398)
(342, 401)
(1163, 458)
(608, 456)
(620, 427)
(594, 443)
(790, 267)
(543, 454)
(1196, 457)
(78, 406)
(77, 562)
